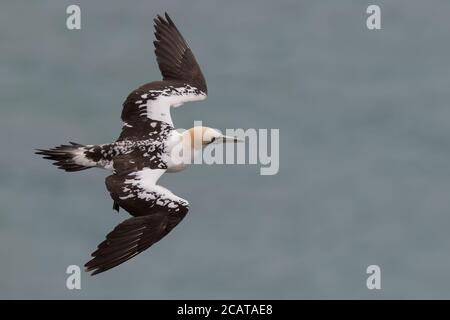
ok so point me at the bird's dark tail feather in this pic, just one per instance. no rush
(66, 157)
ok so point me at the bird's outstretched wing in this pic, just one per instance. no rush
(175, 59)
(155, 210)
(146, 111)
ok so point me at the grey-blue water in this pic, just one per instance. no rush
(364, 121)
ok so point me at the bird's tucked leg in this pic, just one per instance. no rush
(116, 206)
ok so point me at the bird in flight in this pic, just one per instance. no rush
(147, 147)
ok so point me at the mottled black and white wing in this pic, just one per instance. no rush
(155, 210)
(146, 111)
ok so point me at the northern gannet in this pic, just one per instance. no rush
(145, 150)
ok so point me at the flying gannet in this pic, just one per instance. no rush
(144, 151)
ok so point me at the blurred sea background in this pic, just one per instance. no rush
(364, 121)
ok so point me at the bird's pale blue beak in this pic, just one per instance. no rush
(231, 139)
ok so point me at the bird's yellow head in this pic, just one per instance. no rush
(198, 137)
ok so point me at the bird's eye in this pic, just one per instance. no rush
(212, 140)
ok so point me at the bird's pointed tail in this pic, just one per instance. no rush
(68, 157)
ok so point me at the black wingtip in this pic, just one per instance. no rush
(163, 19)
(168, 18)
(88, 270)
(159, 19)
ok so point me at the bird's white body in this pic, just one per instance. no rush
(180, 155)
